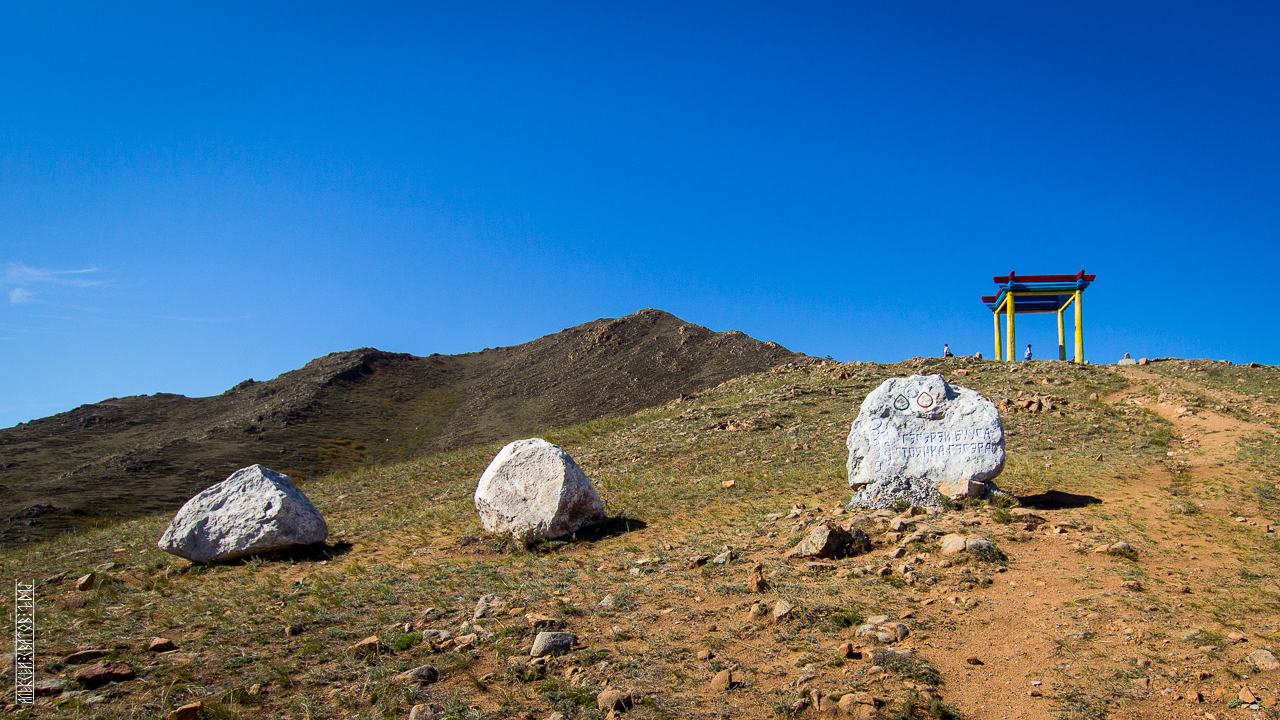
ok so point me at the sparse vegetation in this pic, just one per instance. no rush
(405, 548)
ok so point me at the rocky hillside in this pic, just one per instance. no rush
(1135, 577)
(137, 455)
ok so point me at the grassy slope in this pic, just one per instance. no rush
(408, 551)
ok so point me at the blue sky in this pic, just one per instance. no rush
(192, 195)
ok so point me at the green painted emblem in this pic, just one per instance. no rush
(901, 403)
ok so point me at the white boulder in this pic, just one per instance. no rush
(917, 439)
(255, 510)
(533, 490)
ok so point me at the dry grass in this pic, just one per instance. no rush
(406, 550)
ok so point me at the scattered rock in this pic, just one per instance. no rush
(611, 699)
(880, 629)
(55, 579)
(488, 605)
(159, 644)
(1135, 585)
(368, 647)
(974, 660)
(829, 540)
(723, 681)
(422, 675)
(723, 558)
(292, 630)
(551, 643)
(818, 567)
(1120, 548)
(698, 561)
(918, 439)
(542, 622)
(50, 688)
(955, 544)
(533, 489)
(781, 610)
(254, 510)
(705, 654)
(756, 583)
(103, 672)
(423, 711)
(81, 657)
(190, 711)
(85, 583)
(1263, 660)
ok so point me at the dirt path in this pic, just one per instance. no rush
(1063, 616)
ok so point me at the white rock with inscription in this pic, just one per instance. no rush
(918, 439)
(255, 510)
(533, 489)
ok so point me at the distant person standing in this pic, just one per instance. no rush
(946, 350)
(1027, 355)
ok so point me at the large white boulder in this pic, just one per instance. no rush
(533, 490)
(918, 439)
(255, 510)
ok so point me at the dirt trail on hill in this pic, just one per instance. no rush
(1062, 612)
(1209, 441)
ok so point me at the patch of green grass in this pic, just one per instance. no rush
(908, 666)
(405, 641)
(847, 618)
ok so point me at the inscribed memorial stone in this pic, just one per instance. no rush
(918, 439)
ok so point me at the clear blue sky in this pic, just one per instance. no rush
(192, 194)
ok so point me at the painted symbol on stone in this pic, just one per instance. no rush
(877, 424)
(901, 403)
(912, 393)
(924, 400)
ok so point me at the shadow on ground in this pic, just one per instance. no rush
(316, 552)
(1056, 500)
(610, 527)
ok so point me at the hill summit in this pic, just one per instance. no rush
(149, 453)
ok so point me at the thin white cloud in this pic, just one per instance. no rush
(17, 296)
(20, 274)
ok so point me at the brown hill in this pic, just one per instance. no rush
(136, 455)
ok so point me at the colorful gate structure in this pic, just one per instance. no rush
(1038, 294)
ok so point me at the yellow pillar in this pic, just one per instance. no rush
(1079, 328)
(1009, 311)
(999, 336)
(1062, 337)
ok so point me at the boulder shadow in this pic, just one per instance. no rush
(607, 528)
(315, 552)
(1057, 500)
